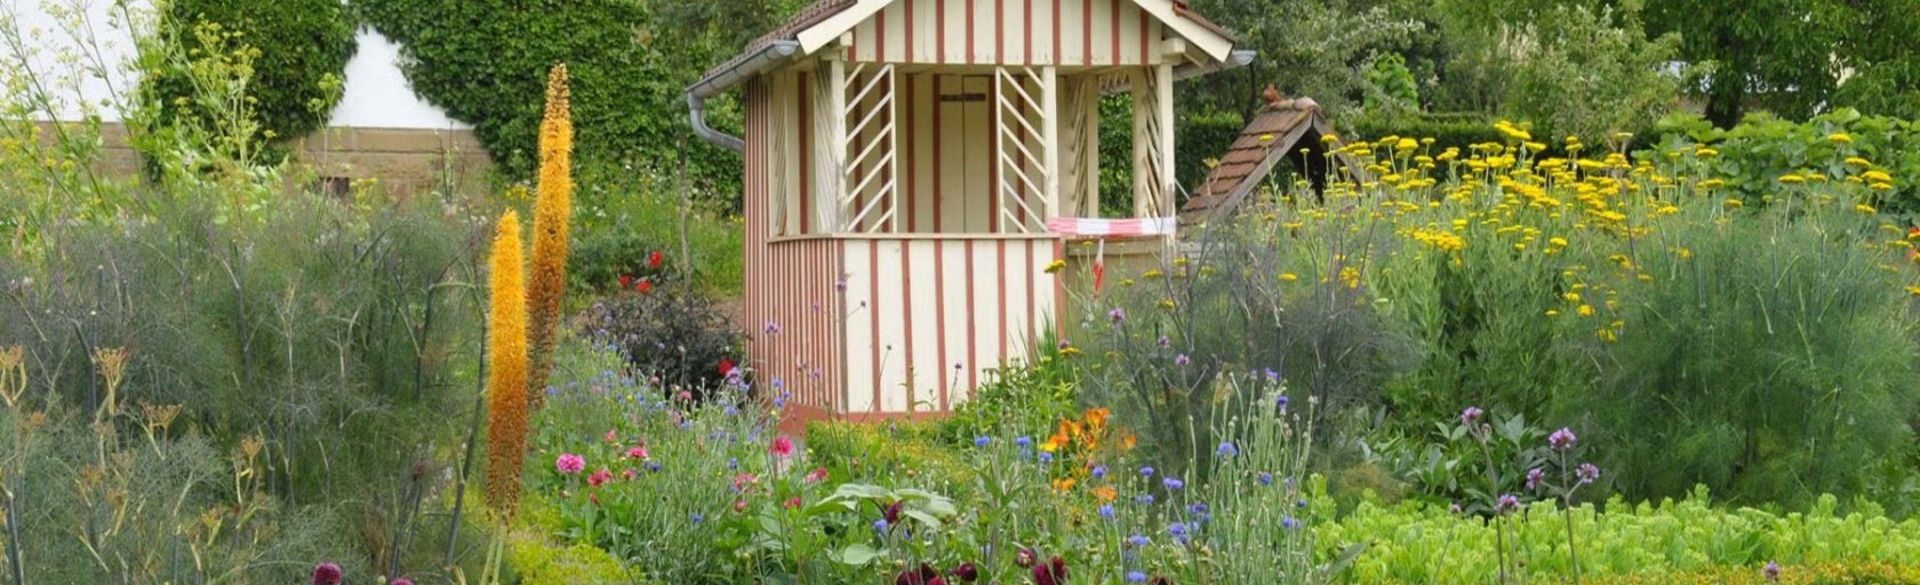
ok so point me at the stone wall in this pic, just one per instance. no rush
(398, 160)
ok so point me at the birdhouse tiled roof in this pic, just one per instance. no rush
(1280, 128)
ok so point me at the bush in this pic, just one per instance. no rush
(301, 51)
(1018, 399)
(673, 336)
(1841, 146)
(857, 452)
(623, 215)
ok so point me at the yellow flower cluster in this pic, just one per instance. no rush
(553, 213)
(506, 366)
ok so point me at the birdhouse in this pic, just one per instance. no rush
(914, 166)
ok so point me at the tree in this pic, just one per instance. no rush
(1316, 48)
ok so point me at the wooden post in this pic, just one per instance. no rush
(830, 124)
(1090, 151)
(1163, 86)
(1050, 137)
(1145, 184)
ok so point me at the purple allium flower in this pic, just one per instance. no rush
(1588, 473)
(1165, 342)
(1471, 415)
(400, 581)
(1173, 483)
(1227, 449)
(1534, 477)
(1772, 571)
(326, 574)
(569, 463)
(1561, 439)
(1181, 360)
(1508, 502)
(1266, 478)
(1117, 314)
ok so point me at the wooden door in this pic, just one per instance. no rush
(965, 154)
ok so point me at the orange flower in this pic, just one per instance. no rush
(1063, 484)
(1106, 493)
(1127, 442)
(1097, 417)
(1054, 443)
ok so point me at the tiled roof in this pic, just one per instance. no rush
(1275, 131)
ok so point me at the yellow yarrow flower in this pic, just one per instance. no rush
(1056, 266)
(1840, 138)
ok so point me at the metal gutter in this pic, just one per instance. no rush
(766, 58)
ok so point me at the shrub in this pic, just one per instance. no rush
(866, 452)
(1840, 146)
(301, 49)
(673, 336)
(623, 215)
(540, 563)
(1017, 399)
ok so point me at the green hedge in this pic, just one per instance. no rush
(303, 48)
(1752, 157)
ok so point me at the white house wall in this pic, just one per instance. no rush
(1012, 32)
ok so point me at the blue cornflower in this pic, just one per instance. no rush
(1227, 449)
(982, 441)
(1023, 442)
(779, 403)
(1289, 522)
(1173, 483)
(880, 527)
(731, 411)
(1266, 478)
(1100, 472)
(1197, 509)
(1272, 376)
(1179, 532)
(1046, 457)
(1144, 498)
(1137, 540)
(698, 518)
(1146, 472)
(1300, 504)
(1106, 511)
(1281, 402)
(733, 464)
(653, 466)
(1136, 577)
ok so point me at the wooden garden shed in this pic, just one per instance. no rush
(914, 166)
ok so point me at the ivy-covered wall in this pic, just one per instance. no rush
(484, 61)
(302, 49)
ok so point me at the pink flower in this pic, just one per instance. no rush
(739, 505)
(793, 502)
(570, 464)
(613, 436)
(782, 446)
(740, 482)
(685, 395)
(326, 574)
(628, 474)
(637, 452)
(600, 477)
(817, 475)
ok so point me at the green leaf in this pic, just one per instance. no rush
(859, 555)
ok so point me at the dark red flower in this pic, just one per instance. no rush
(924, 575)
(626, 280)
(1160, 581)
(1051, 573)
(326, 574)
(655, 259)
(1025, 558)
(726, 368)
(966, 572)
(893, 513)
(645, 286)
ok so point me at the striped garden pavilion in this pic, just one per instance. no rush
(912, 168)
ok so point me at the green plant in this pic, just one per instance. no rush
(625, 214)
(1752, 160)
(1018, 399)
(538, 562)
(1394, 84)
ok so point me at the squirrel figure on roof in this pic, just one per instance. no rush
(1272, 96)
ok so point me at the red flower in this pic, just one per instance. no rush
(726, 367)
(326, 574)
(893, 513)
(626, 280)
(817, 476)
(645, 286)
(1025, 558)
(655, 259)
(793, 502)
(599, 477)
(1051, 573)
(966, 572)
(1160, 581)
(782, 446)
(924, 575)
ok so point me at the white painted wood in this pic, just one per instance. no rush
(820, 35)
(1050, 139)
(1209, 42)
(953, 267)
(1163, 86)
(830, 125)
(1144, 165)
(986, 306)
(889, 310)
(859, 326)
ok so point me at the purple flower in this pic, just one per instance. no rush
(982, 441)
(1181, 360)
(1136, 577)
(400, 581)
(1289, 523)
(1164, 342)
(1281, 402)
(1772, 571)
(1266, 478)
(1471, 415)
(1561, 439)
(326, 574)
(1227, 449)
(1454, 509)
(1173, 483)
(1100, 472)
(771, 328)
(1272, 376)
(880, 527)
(1588, 473)
(1146, 472)
(1143, 498)
(1508, 503)
(1534, 477)
(1117, 314)
(1023, 442)
(1137, 540)
(1106, 511)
